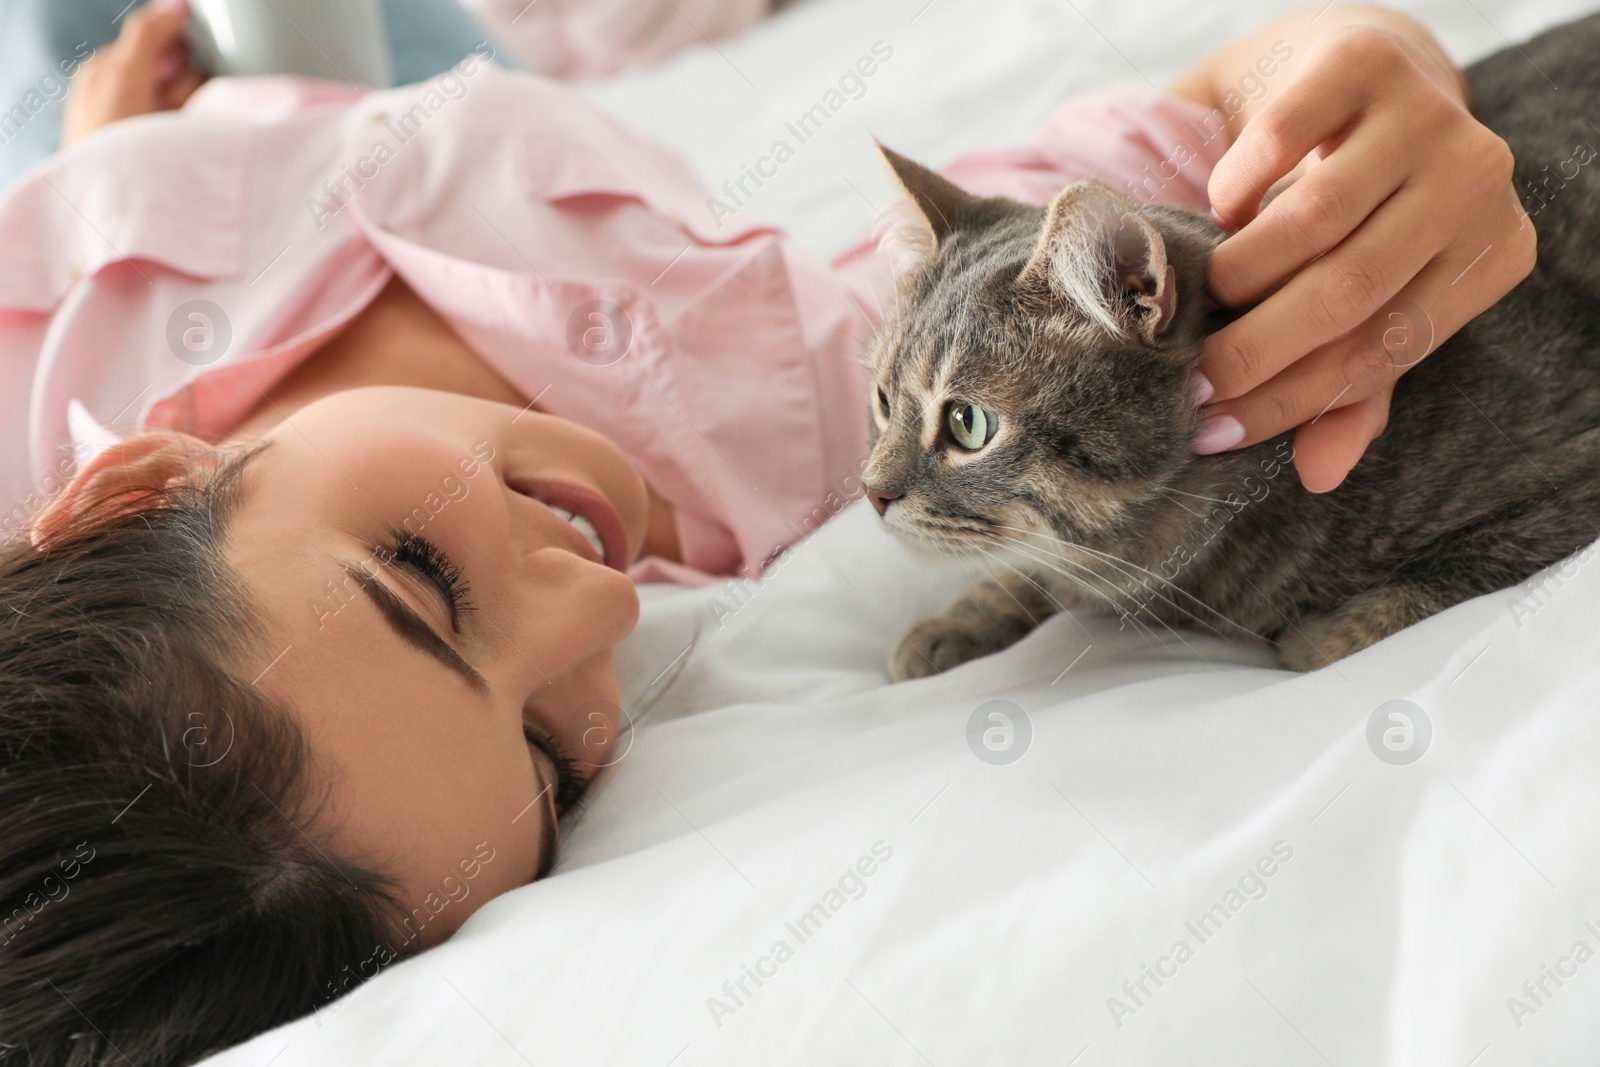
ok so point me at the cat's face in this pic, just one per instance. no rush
(1032, 382)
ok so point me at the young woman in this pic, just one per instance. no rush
(302, 672)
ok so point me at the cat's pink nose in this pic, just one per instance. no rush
(881, 500)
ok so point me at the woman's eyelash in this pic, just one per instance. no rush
(570, 784)
(428, 560)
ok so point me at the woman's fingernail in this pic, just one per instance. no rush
(168, 66)
(1200, 388)
(1222, 223)
(172, 5)
(1218, 434)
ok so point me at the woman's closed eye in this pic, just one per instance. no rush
(425, 559)
(431, 563)
(569, 782)
(427, 562)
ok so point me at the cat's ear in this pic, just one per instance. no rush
(1097, 250)
(924, 214)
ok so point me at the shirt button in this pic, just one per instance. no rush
(78, 267)
(378, 118)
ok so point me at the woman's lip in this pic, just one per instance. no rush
(592, 505)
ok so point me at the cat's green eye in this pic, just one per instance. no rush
(971, 426)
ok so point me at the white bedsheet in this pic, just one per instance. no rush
(1008, 905)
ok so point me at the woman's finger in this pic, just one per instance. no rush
(1332, 296)
(178, 91)
(1368, 360)
(1327, 448)
(141, 72)
(1314, 108)
(1307, 220)
(149, 33)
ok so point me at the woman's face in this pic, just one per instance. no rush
(443, 636)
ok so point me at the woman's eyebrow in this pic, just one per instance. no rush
(412, 628)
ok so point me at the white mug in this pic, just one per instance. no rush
(341, 40)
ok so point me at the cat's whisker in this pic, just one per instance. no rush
(1130, 616)
(1012, 546)
(1060, 607)
(1114, 602)
(1075, 579)
(1063, 609)
(1123, 565)
(1163, 494)
(1185, 492)
(997, 557)
(1144, 607)
(1157, 594)
(1140, 626)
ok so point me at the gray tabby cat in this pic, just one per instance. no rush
(1032, 404)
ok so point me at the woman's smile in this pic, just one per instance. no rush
(596, 526)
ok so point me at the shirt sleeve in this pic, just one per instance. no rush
(1149, 145)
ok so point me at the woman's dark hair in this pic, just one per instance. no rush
(160, 898)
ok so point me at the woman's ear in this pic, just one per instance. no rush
(128, 471)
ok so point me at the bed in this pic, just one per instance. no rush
(1103, 846)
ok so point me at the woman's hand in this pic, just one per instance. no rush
(1402, 226)
(146, 69)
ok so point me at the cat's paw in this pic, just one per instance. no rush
(937, 645)
(1313, 643)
